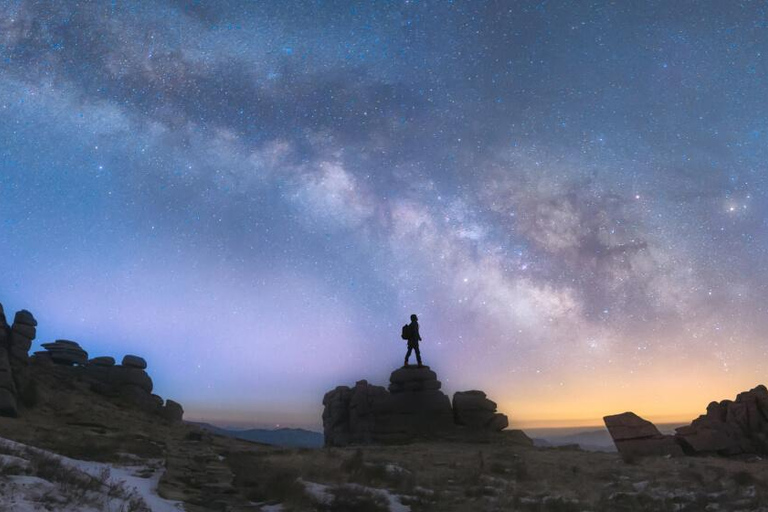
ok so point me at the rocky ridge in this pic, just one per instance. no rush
(411, 408)
(128, 382)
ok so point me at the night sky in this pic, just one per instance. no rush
(254, 196)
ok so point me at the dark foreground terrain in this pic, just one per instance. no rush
(205, 471)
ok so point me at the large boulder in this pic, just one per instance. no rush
(25, 317)
(336, 416)
(110, 379)
(22, 333)
(172, 411)
(475, 411)
(134, 362)
(635, 437)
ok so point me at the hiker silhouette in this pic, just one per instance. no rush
(413, 340)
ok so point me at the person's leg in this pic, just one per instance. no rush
(418, 354)
(407, 354)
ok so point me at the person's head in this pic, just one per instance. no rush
(414, 318)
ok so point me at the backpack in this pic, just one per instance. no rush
(406, 334)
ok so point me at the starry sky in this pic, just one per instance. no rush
(256, 195)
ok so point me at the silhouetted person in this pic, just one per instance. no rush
(413, 340)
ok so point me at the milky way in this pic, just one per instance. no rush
(256, 195)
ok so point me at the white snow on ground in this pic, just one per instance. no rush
(321, 493)
(26, 493)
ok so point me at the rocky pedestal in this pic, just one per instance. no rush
(412, 408)
(635, 437)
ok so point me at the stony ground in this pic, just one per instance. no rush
(209, 472)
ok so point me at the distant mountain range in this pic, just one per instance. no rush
(289, 437)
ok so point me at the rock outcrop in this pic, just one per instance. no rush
(413, 407)
(635, 437)
(729, 427)
(128, 382)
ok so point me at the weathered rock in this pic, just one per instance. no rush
(66, 352)
(42, 358)
(6, 373)
(112, 378)
(336, 416)
(8, 406)
(139, 397)
(134, 362)
(412, 373)
(635, 437)
(474, 410)
(172, 411)
(413, 408)
(24, 330)
(25, 317)
(730, 427)
(102, 361)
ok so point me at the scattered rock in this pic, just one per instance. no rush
(635, 437)
(134, 362)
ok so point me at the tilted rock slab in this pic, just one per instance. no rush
(635, 437)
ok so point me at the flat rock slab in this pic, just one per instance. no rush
(403, 375)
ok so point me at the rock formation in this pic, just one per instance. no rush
(128, 382)
(729, 427)
(635, 437)
(64, 352)
(474, 410)
(412, 408)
